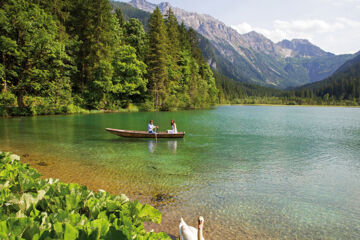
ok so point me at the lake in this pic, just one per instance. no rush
(252, 171)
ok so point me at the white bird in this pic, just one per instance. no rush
(190, 233)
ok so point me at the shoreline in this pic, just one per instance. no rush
(171, 209)
(85, 112)
(86, 194)
(284, 105)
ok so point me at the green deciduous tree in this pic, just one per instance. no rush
(135, 36)
(129, 75)
(32, 54)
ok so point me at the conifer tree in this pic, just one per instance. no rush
(157, 59)
(120, 17)
(173, 54)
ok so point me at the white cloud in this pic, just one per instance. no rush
(317, 31)
(338, 3)
(307, 26)
(349, 22)
(243, 28)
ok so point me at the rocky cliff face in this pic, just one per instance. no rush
(143, 5)
(302, 48)
(261, 61)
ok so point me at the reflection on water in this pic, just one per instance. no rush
(152, 145)
(172, 145)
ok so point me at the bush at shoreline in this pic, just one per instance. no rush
(34, 208)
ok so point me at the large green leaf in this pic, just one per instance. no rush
(101, 226)
(73, 201)
(54, 210)
(3, 230)
(150, 214)
(17, 226)
(71, 233)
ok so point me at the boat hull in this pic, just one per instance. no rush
(143, 134)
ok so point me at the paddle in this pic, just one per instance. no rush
(156, 134)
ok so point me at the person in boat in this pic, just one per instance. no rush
(173, 126)
(151, 127)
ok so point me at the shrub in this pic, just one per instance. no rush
(33, 208)
(7, 99)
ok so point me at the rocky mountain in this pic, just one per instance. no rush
(254, 58)
(303, 48)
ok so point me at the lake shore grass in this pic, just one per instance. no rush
(68, 110)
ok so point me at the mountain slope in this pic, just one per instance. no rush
(303, 48)
(286, 64)
(344, 84)
(132, 12)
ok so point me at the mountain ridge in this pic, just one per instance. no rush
(261, 61)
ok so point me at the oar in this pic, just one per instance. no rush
(156, 135)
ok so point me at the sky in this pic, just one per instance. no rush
(333, 25)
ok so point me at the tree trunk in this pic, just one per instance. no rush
(20, 100)
(5, 87)
(5, 83)
(83, 80)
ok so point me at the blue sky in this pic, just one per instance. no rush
(333, 25)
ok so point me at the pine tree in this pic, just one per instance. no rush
(120, 17)
(173, 54)
(157, 59)
(172, 29)
(93, 24)
(194, 45)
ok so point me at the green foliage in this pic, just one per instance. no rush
(33, 208)
(157, 59)
(7, 99)
(33, 57)
(135, 36)
(129, 80)
(65, 56)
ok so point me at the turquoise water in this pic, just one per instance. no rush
(260, 172)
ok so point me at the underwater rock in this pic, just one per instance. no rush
(43, 164)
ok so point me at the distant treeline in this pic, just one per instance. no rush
(344, 85)
(72, 54)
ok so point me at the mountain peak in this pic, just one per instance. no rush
(164, 6)
(301, 41)
(253, 57)
(303, 48)
(254, 34)
(143, 4)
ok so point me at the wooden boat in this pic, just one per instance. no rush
(144, 134)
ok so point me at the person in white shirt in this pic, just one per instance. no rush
(151, 127)
(173, 125)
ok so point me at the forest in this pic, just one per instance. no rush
(69, 56)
